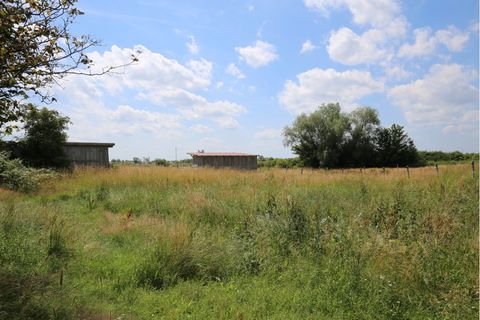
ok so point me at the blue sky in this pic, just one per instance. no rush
(229, 75)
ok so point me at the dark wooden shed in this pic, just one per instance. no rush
(88, 153)
(224, 160)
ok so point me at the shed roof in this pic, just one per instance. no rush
(90, 144)
(221, 154)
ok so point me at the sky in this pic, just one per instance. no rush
(230, 75)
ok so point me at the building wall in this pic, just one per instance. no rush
(236, 162)
(88, 155)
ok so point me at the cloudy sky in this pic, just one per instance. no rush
(229, 75)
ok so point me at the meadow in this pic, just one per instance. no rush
(146, 242)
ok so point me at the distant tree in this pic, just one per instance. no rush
(161, 162)
(393, 147)
(137, 160)
(45, 135)
(37, 49)
(359, 145)
(318, 138)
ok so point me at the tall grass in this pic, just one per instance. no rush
(145, 242)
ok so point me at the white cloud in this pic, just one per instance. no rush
(192, 45)
(374, 45)
(268, 134)
(260, 54)
(444, 96)
(364, 12)
(219, 84)
(200, 128)
(233, 70)
(251, 7)
(153, 70)
(426, 42)
(317, 86)
(452, 38)
(397, 73)
(156, 80)
(347, 47)
(307, 46)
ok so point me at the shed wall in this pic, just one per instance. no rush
(236, 162)
(88, 155)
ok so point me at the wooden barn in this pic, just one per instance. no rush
(224, 160)
(88, 153)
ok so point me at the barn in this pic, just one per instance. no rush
(232, 160)
(88, 153)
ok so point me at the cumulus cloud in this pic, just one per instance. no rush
(426, 42)
(156, 81)
(307, 46)
(233, 70)
(153, 70)
(445, 96)
(347, 47)
(317, 86)
(364, 12)
(192, 45)
(259, 54)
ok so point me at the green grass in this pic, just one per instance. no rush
(174, 243)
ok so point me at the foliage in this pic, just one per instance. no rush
(37, 49)
(279, 162)
(393, 147)
(441, 156)
(16, 176)
(329, 138)
(318, 138)
(44, 138)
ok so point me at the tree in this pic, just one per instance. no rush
(44, 138)
(393, 147)
(318, 138)
(359, 145)
(36, 50)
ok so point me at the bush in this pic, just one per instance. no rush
(16, 176)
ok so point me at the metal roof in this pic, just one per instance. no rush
(221, 154)
(89, 144)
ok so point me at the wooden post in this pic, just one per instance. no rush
(473, 168)
(384, 171)
(408, 172)
(436, 168)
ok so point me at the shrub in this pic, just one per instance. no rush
(16, 176)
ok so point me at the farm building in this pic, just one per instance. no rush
(88, 153)
(224, 160)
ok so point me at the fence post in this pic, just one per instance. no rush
(473, 168)
(436, 168)
(384, 171)
(408, 172)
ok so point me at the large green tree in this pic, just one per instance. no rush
(318, 138)
(394, 148)
(36, 50)
(45, 135)
(359, 145)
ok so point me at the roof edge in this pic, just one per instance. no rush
(91, 144)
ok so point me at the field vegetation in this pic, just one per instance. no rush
(150, 242)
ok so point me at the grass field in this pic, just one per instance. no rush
(139, 242)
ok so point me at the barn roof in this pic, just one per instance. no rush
(221, 154)
(89, 144)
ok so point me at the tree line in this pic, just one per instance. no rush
(330, 138)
